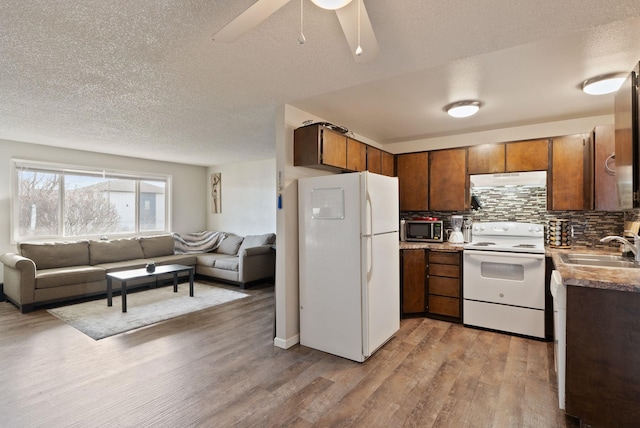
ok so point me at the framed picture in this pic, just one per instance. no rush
(216, 193)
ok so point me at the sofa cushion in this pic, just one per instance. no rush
(123, 265)
(59, 277)
(209, 259)
(115, 250)
(257, 240)
(230, 263)
(230, 245)
(175, 259)
(56, 254)
(156, 246)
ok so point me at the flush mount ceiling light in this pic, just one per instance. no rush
(463, 108)
(603, 84)
(331, 4)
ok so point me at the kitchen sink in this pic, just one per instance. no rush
(601, 260)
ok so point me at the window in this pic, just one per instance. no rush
(53, 201)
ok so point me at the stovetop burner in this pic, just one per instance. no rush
(511, 237)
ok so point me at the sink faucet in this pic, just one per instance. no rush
(635, 247)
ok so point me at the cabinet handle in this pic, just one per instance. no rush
(606, 164)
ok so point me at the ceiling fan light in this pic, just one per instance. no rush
(463, 108)
(331, 4)
(604, 84)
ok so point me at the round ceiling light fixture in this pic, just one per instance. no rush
(331, 4)
(463, 108)
(603, 84)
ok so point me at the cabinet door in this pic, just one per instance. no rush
(334, 149)
(356, 155)
(567, 173)
(374, 160)
(530, 155)
(605, 180)
(448, 180)
(486, 159)
(387, 164)
(413, 179)
(414, 264)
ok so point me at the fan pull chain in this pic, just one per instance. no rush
(301, 39)
(359, 48)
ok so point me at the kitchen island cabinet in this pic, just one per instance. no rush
(603, 356)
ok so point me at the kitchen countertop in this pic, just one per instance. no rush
(435, 246)
(607, 278)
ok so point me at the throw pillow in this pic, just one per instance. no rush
(230, 245)
(258, 240)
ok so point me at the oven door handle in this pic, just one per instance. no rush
(492, 254)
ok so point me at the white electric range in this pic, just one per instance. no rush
(504, 278)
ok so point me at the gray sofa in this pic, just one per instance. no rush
(44, 273)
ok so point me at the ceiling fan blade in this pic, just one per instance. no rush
(348, 17)
(248, 19)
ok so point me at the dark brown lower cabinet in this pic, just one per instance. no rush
(444, 285)
(603, 357)
(431, 284)
(414, 263)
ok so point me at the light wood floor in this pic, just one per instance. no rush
(219, 368)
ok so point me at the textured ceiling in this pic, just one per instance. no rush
(143, 78)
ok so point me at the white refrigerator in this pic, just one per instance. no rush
(349, 263)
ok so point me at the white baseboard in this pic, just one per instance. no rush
(286, 343)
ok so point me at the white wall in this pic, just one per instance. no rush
(189, 209)
(248, 195)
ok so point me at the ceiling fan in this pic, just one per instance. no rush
(352, 15)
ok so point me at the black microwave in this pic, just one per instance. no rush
(423, 230)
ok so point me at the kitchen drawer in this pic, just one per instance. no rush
(444, 258)
(444, 286)
(447, 306)
(444, 270)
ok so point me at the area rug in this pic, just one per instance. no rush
(146, 307)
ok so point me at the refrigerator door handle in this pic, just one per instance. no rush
(367, 257)
(369, 235)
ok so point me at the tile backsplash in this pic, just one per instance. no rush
(529, 204)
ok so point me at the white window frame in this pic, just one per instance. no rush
(18, 164)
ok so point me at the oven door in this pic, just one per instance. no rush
(515, 279)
